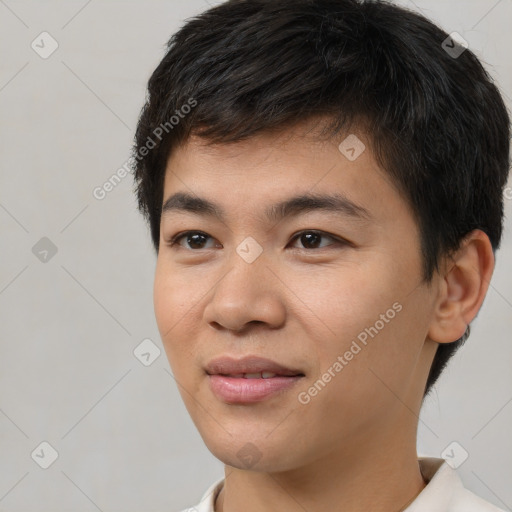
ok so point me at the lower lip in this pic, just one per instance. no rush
(238, 390)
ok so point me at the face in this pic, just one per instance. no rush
(333, 293)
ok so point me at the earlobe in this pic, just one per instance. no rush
(463, 285)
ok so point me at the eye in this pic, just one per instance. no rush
(197, 239)
(194, 238)
(310, 239)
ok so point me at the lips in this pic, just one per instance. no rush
(250, 367)
(258, 375)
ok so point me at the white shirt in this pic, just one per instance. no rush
(444, 492)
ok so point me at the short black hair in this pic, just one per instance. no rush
(436, 121)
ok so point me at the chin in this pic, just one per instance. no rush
(253, 453)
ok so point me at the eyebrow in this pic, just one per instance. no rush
(297, 205)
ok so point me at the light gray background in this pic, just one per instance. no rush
(69, 326)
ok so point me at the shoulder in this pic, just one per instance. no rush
(466, 501)
(445, 491)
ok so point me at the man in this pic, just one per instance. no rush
(324, 183)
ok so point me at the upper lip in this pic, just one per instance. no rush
(227, 365)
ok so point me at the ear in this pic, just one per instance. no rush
(464, 282)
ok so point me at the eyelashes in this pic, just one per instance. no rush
(200, 237)
(176, 238)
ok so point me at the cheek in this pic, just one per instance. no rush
(175, 293)
(384, 350)
(173, 303)
(368, 317)
(344, 301)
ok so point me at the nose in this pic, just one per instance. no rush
(249, 293)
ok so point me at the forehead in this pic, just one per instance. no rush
(298, 142)
(293, 161)
(251, 175)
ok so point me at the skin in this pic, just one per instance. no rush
(302, 305)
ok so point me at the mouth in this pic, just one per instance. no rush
(250, 367)
(249, 380)
(258, 375)
(249, 390)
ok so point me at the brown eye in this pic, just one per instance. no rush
(311, 239)
(195, 239)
